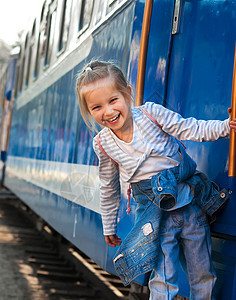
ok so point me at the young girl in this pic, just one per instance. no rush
(132, 148)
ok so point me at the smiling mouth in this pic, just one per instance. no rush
(114, 120)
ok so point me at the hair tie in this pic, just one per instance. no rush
(88, 69)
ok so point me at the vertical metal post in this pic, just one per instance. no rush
(143, 52)
(232, 146)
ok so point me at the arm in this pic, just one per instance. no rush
(188, 128)
(109, 196)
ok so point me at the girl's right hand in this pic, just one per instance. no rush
(232, 123)
(113, 240)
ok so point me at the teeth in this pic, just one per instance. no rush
(112, 120)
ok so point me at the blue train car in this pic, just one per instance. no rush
(177, 53)
(7, 87)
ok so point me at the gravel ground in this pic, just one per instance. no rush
(17, 278)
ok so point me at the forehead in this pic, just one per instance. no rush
(101, 83)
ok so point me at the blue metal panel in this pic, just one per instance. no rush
(159, 48)
(192, 74)
(79, 225)
(135, 43)
(199, 85)
(225, 262)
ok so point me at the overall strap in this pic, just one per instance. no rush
(129, 189)
(150, 117)
(102, 149)
(159, 125)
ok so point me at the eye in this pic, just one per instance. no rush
(95, 107)
(113, 100)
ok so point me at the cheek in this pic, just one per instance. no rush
(96, 115)
(125, 110)
(122, 107)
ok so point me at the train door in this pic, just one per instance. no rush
(189, 68)
(200, 84)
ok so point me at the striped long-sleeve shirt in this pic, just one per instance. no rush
(150, 144)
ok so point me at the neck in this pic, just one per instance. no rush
(126, 134)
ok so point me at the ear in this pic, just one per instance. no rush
(129, 89)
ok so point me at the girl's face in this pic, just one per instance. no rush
(108, 106)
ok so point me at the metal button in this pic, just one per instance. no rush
(160, 189)
(222, 195)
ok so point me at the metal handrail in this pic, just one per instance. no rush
(143, 52)
(232, 145)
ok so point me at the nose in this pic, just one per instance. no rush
(108, 110)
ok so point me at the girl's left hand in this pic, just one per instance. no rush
(112, 240)
(232, 123)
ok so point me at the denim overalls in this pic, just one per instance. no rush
(153, 243)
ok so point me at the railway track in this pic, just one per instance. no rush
(47, 266)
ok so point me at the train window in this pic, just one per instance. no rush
(42, 12)
(17, 85)
(64, 25)
(17, 80)
(111, 2)
(23, 63)
(85, 15)
(40, 42)
(99, 11)
(32, 41)
(50, 27)
(36, 66)
(38, 55)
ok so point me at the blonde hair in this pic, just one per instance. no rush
(93, 71)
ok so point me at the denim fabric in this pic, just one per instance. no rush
(138, 252)
(165, 183)
(206, 193)
(184, 237)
